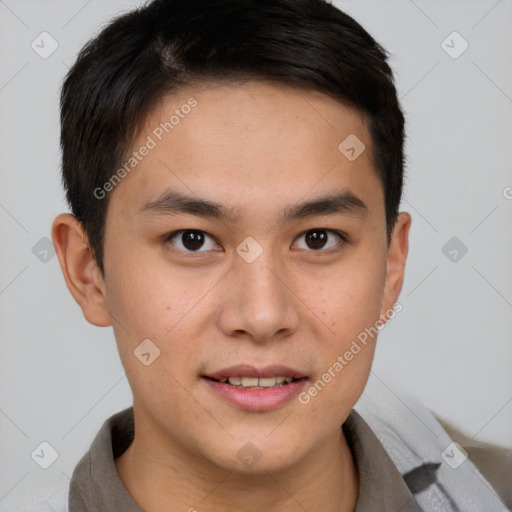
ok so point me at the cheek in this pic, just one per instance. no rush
(142, 306)
(148, 308)
(151, 298)
(349, 305)
(350, 300)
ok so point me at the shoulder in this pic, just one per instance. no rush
(493, 461)
(466, 472)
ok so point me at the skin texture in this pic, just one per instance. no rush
(258, 148)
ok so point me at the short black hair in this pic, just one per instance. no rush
(121, 74)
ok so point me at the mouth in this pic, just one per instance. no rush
(256, 389)
(257, 382)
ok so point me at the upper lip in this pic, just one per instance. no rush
(246, 370)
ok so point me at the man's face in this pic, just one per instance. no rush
(255, 287)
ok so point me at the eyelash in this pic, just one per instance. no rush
(344, 238)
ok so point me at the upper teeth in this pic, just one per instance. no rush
(265, 382)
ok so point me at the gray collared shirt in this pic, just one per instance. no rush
(96, 486)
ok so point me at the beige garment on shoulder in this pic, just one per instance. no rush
(493, 461)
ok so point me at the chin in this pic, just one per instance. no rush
(245, 457)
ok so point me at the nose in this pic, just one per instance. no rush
(259, 301)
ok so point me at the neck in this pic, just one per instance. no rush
(171, 479)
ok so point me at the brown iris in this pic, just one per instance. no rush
(316, 239)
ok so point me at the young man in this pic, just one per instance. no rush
(234, 170)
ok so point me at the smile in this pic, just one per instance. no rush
(255, 382)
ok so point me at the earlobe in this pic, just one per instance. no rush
(397, 256)
(79, 268)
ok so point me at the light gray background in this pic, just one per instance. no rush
(60, 377)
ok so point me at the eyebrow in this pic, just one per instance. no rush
(172, 203)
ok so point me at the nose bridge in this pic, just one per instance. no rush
(261, 282)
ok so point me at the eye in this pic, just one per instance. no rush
(319, 239)
(190, 240)
(194, 240)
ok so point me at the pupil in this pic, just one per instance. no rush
(316, 239)
(192, 239)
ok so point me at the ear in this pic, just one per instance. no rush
(82, 275)
(397, 255)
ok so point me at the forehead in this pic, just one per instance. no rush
(274, 142)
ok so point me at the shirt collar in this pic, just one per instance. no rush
(96, 486)
(381, 486)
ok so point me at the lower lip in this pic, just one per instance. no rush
(257, 399)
